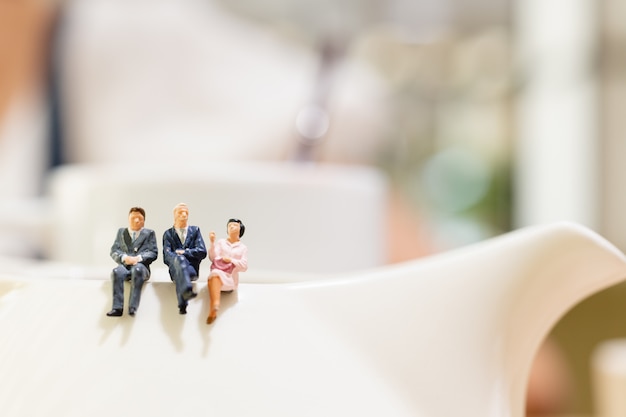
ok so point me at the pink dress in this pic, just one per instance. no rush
(228, 273)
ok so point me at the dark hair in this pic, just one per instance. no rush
(138, 210)
(242, 228)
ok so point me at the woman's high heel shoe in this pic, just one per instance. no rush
(212, 315)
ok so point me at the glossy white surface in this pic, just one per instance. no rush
(447, 336)
(306, 218)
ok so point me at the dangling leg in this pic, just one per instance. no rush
(179, 272)
(215, 289)
(139, 273)
(118, 276)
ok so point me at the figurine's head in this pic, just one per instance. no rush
(136, 218)
(233, 224)
(181, 215)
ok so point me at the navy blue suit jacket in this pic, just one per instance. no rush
(195, 250)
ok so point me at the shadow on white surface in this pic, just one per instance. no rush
(447, 336)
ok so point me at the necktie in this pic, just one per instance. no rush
(183, 235)
(134, 235)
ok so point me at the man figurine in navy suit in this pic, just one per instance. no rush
(183, 250)
(134, 249)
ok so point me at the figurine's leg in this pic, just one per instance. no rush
(118, 276)
(190, 275)
(193, 275)
(180, 275)
(215, 291)
(138, 275)
(176, 273)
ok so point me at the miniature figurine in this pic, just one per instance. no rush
(183, 250)
(229, 256)
(134, 249)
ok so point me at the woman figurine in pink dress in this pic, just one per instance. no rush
(228, 257)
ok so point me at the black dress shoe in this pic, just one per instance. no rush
(132, 311)
(116, 312)
(182, 310)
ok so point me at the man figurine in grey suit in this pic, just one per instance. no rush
(134, 249)
(183, 250)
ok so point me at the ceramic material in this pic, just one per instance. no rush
(447, 336)
(295, 210)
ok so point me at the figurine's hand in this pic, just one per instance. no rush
(212, 237)
(226, 259)
(180, 251)
(131, 260)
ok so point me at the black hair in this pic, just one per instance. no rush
(242, 228)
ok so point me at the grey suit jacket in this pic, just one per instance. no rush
(145, 245)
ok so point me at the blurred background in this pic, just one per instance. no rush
(483, 115)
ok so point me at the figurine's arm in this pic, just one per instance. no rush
(212, 255)
(150, 251)
(241, 263)
(168, 250)
(117, 254)
(198, 250)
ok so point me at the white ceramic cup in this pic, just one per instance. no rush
(298, 217)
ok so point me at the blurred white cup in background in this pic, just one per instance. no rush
(314, 218)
